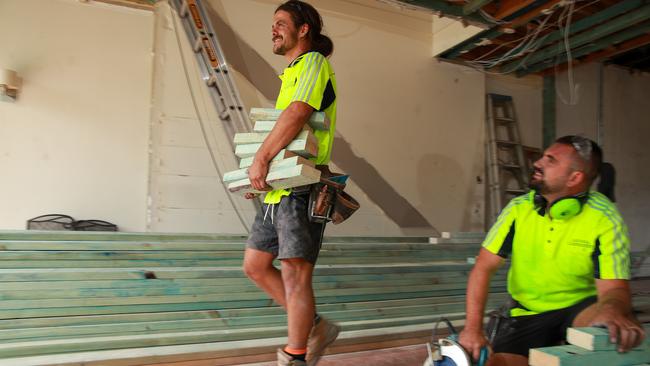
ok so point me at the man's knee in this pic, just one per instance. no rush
(296, 274)
(257, 264)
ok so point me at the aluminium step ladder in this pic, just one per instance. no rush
(213, 66)
(507, 168)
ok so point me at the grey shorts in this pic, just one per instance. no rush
(287, 232)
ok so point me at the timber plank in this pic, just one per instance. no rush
(317, 120)
(306, 147)
(283, 154)
(280, 179)
(258, 137)
(275, 165)
(597, 339)
(267, 126)
(576, 356)
(112, 236)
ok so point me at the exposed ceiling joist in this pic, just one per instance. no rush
(533, 36)
(604, 54)
(474, 5)
(613, 26)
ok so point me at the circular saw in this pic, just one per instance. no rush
(448, 352)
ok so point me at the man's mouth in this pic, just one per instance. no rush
(276, 39)
(538, 174)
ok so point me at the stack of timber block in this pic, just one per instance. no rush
(589, 346)
(290, 167)
(82, 298)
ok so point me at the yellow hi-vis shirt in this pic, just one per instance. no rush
(309, 79)
(554, 262)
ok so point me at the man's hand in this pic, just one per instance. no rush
(623, 329)
(473, 342)
(614, 311)
(257, 175)
(250, 195)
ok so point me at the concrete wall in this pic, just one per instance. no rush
(409, 128)
(76, 140)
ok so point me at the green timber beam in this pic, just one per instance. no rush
(548, 111)
(495, 32)
(449, 9)
(600, 17)
(474, 5)
(583, 38)
(597, 46)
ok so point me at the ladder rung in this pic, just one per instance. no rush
(506, 142)
(504, 119)
(510, 166)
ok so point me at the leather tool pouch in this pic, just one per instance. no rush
(328, 202)
(499, 323)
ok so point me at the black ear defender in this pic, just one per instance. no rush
(563, 208)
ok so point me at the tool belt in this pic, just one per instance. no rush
(328, 201)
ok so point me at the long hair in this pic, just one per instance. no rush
(303, 13)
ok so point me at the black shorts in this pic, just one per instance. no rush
(285, 231)
(540, 330)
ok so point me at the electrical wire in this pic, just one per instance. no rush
(201, 121)
(529, 43)
(573, 88)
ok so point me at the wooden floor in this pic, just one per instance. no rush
(398, 356)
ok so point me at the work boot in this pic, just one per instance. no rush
(285, 360)
(321, 336)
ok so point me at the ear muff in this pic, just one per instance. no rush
(562, 209)
(538, 201)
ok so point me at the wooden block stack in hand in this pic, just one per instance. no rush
(590, 346)
(290, 167)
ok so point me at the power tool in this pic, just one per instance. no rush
(448, 352)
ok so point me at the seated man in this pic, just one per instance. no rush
(570, 261)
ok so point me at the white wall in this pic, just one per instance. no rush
(75, 142)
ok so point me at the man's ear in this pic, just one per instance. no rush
(576, 178)
(304, 29)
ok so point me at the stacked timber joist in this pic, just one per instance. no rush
(589, 346)
(73, 298)
(290, 167)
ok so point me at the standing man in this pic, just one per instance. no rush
(569, 265)
(308, 85)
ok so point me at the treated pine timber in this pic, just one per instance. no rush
(258, 137)
(280, 179)
(571, 355)
(317, 120)
(275, 165)
(597, 339)
(261, 127)
(134, 291)
(306, 147)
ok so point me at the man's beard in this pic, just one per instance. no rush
(281, 50)
(538, 184)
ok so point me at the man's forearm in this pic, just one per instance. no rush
(286, 128)
(477, 293)
(616, 299)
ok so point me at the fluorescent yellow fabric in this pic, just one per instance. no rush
(554, 262)
(306, 80)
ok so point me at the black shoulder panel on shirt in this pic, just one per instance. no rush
(594, 259)
(328, 96)
(506, 247)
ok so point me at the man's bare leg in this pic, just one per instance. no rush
(507, 359)
(258, 266)
(297, 277)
